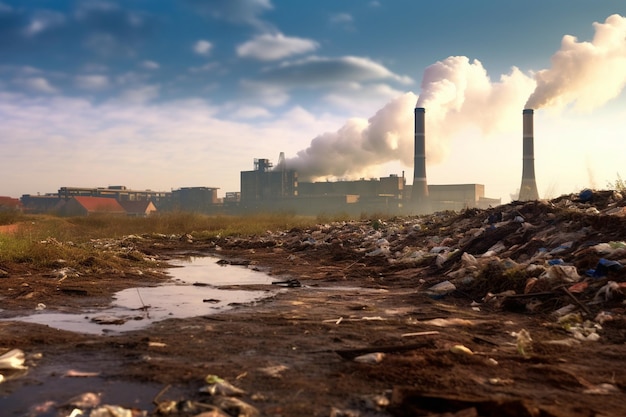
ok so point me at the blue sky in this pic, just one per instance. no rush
(177, 93)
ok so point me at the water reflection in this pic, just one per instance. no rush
(192, 292)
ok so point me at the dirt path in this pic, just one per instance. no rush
(294, 355)
(359, 336)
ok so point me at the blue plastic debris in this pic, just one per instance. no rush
(585, 195)
(603, 267)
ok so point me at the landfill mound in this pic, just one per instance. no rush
(560, 256)
(515, 311)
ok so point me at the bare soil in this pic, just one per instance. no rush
(294, 354)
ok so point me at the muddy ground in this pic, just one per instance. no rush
(358, 337)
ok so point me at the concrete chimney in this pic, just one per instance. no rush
(528, 189)
(419, 191)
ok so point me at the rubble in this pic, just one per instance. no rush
(560, 260)
(530, 257)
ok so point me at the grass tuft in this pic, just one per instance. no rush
(44, 240)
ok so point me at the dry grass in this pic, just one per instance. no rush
(43, 240)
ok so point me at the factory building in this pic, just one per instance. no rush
(392, 186)
(118, 192)
(459, 196)
(195, 199)
(269, 188)
(264, 184)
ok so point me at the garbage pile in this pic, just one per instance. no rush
(563, 256)
(219, 399)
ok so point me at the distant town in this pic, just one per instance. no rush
(264, 189)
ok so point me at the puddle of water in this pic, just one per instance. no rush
(35, 400)
(45, 390)
(192, 292)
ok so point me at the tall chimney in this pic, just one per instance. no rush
(419, 191)
(528, 189)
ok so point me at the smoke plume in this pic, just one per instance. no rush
(360, 144)
(459, 95)
(587, 73)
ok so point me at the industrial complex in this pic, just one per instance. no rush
(269, 187)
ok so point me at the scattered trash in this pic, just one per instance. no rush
(290, 283)
(524, 255)
(235, 407)
(448, 322)
(611, 290)
(336, 412)
(585, 195)
(218, 386)
(82, 401)
(500, 382)
(603, 267)
(109, 320)
(426, 333)
(461, 350)
(374, 357)
(441, 289)
(111, 411)
(524, 342)
(602, 389)
(561, 273)
(72, 373)
(13, 359)
(274, 371)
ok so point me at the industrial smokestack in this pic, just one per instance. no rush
(419, 191)
(528, 190)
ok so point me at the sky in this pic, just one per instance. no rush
(167, 94)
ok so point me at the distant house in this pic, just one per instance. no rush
(86, 206)
(138, 208)
(10, 204)
(40, 203)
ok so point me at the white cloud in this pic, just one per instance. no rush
(359, 99)
(202, 47)
(249, 112)
(150, 65)
(318, 71)
(266, 94)
(341, 18)
(44, 20)
(155, 146)
(204, 68)
(141, 94)
(28, 70)
(238, 11)
(93, 67)
(37, 84)
(92, 82)
(270, 47)
(131, 78)
(101, 43)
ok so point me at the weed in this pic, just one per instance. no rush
(42, 240)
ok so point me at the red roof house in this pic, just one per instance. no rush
(9, 204)
(85, 206)
(138, 208)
